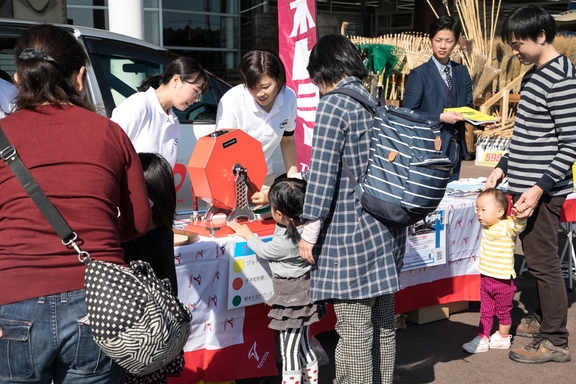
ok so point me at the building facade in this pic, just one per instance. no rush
(218, 32)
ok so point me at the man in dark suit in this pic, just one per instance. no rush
(441, 83)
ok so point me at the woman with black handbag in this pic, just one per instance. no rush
(91, 173)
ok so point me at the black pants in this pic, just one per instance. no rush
(540, 246)
(455, 156)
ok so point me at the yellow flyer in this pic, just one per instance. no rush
(473, 116)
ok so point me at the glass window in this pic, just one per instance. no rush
(121, 68)
(94, 18)
(191, 30)
(204, 110)
(150, 3)
(124, 74)
(152, 27)
(217, 6)
(214, 61)
(87, 2)
(7, 67)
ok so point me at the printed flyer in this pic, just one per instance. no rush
(250, 278)
(426, 241)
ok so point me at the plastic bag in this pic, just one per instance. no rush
(321, 354)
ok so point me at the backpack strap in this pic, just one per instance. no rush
(366, 102)
(371, 107)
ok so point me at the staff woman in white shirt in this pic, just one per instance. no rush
(263, 107)
(147, 115)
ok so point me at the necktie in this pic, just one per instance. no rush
(448, 77)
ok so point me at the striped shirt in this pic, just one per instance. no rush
(497, 248)
(543, 145)
(357, 257)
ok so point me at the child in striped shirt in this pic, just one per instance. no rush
(496, 267)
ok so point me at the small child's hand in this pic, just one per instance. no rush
(517, 208)
(260, 199)
(241, 230)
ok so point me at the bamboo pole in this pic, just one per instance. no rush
(433, 10)
(445, 2)
(485, 40)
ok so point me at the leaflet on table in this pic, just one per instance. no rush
(467, 184)
(473, 116)
(426, 241)
(250, 278)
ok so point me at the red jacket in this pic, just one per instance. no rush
(88, 168)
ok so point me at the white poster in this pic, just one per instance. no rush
(250, 278)
(426, 241)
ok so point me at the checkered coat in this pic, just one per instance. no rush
(357, 257)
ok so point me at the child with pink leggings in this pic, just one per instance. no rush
(496, 268)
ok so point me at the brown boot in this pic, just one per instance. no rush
(529, 327)
(540, 351)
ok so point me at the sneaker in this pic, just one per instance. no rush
(477, 345)
(529, 327)
(499, 342)
(540, 351)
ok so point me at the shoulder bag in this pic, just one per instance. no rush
(135, 317)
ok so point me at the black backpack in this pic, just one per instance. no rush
(407, 174)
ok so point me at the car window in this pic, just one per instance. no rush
(204, 110)
(124, 74)
(122, 67)
(7, 62)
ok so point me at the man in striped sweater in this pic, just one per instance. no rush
(538, 166)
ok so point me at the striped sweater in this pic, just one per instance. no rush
(497, 248)
(543, 145)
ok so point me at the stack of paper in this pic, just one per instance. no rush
(473, 116)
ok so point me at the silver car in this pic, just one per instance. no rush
(117, 65)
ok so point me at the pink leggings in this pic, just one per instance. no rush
(496, 297)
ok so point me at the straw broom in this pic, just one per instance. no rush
(488, 75)
(478, 56)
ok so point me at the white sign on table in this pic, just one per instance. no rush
(426, 241)
(250, 279)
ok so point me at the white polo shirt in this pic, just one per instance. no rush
(238, 109)
(148, 126)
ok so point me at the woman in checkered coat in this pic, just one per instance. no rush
(357, 259)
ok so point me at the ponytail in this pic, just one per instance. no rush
(185, 67)
(152, 81)
(292, 231)
(48, 59)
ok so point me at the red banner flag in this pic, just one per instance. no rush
(296, 37)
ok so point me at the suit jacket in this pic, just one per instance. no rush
(426, 93)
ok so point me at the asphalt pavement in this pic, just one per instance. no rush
(432, 352)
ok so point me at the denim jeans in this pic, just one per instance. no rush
(44, 340)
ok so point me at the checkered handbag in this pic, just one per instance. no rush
(135, 317)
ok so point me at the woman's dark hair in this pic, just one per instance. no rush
(333, 58)
(287, 196)
(161, 189)
(47, 60)
(526, 23)
(499, 196)
(188, 70)
(446, 23)
(258, 63)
